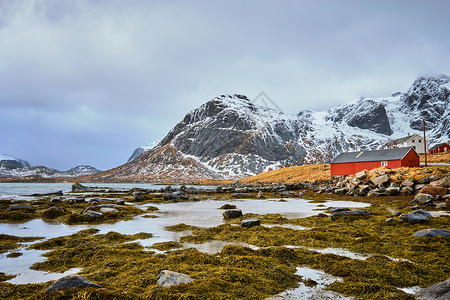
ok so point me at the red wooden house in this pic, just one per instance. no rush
(439, 148)
(354, 162)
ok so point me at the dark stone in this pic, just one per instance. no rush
(71, 282)
(58, 193)
(138, 196)
(76, 187)
(250, 223)
(432, 233)
(418, 216)
(56, 200)
(232, 213)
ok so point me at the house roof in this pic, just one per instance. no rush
(406, 138)
(437, 146)
(375, 155)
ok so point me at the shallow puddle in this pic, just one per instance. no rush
(316, 292)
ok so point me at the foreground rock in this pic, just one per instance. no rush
(170, 278)
(71, 282)
(77, 187)
(232, 213)
(438, 291)
(250, 223)
(432, 233)
(418, 216)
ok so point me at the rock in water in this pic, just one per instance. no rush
(79, 187)
(432, 233)
(170, 278)
(24, 207)
(438, 291)
(71, 282)
(363, 213)
(232, 213)
(250, 223)
(418, 216)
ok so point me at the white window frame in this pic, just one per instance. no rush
(384, 163)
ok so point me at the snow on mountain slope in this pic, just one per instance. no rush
(138, 151)
(231, 137)
(5, 158)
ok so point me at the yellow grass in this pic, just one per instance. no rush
(292, 174)
(436, 158)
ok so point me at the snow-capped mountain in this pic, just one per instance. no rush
(231, 137)
(9, 159)
(138, 151)
(11, 167)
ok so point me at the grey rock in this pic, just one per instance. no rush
(390, 221)
(56, 200)
(438, 291)
(92, 214)
(422, 198)
(442, 205)
(361, 175)
(232, 213)
(250, 223)
(340, 191)
(432, 233)
(407, 190)
(120, 202)
(108, 210)
(444, 182)
(16, 207)
(418, 216)
(381, 179)
(350, 213)
(409, 182)
(169, 278)
(71, 282)
(393, 190)
(418, 187)
(425, 180)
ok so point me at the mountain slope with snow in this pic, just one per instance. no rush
(231, 137)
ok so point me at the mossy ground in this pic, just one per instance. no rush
(9, 242)
(127, 270)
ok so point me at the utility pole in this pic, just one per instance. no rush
(424, 143)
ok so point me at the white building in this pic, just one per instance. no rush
(416, 141)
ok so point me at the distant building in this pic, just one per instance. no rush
(354, 162)
(439, 148)
(416, 141)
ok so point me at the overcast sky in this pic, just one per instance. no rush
(86, 82)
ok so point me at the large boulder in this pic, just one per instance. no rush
(393, 190)
(438, 291)
(433, 190)
(170, 278)
(381, 179)
(421, 198)
(71, 282)
(250, 223)
(409, 182)
(232, 213)
(418, 216)
(93, 214)
(77, 187)
(433, 233)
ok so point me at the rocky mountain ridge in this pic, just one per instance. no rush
(231, 137)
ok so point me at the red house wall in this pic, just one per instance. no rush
(410, 160)
(440, 149)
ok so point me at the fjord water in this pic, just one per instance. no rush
(202, 213)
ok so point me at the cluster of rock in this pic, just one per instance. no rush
(237, 213)
(392, 182)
